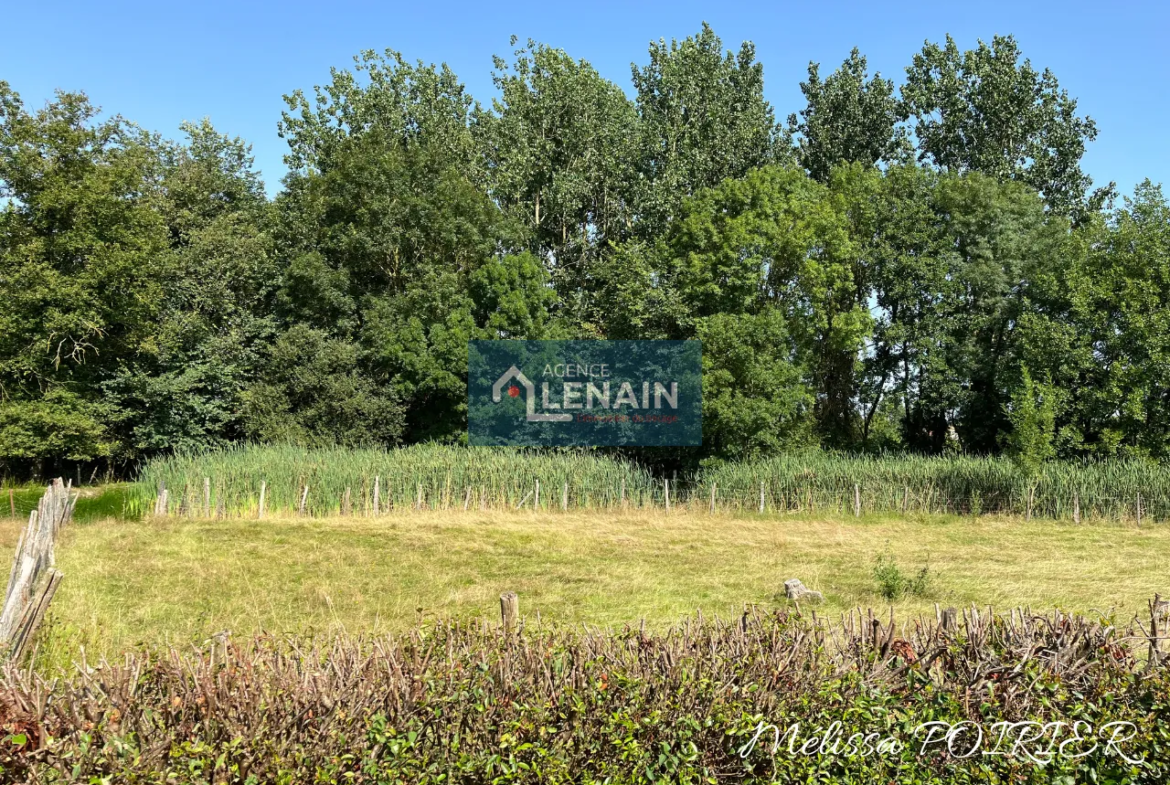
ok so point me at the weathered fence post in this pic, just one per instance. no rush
(666, 493)
(1158, 609)
(206, 497)
(536, 498)
(856, 500)
(565, 497)
(1076, 507)
(622, 493)
(509, 611)
(1031, 499)
(761, 497)
(12, 501)
(263, 491)
(712, 498)
(377, 495)
(304, 500)
(34, 577)
(419, 500)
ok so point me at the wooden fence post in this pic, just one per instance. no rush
(304, 500)
(1139, 510)
(761, 497)
(206, 497)
(712, 498)
(565, 497)
(536, 498)
(622, 493)
(1031, 500)
(666, 492)
(419, 500)
(856, 500)
(509, 611)
(12, 501)
(1076, 507)
(1158, 609)
(377, 495)
(263, 491)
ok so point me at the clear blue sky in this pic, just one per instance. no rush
(159, 63)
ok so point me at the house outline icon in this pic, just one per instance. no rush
(529, 396)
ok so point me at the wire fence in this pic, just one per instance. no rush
(368, 496)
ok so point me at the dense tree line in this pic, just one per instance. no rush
(922, 267)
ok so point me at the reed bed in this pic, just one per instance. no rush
(1117, 490)
(322, 482)
(459, 702)
(331, 481)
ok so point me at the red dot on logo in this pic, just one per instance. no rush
(513, 391)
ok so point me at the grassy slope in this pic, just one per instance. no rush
(145, 581)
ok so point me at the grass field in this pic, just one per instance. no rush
(181, 580)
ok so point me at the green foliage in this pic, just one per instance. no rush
(59, 425)
(754, 402)
(569, 184)
(893, 584)
(511, 298)
(153, 290)
(848, 119)
(983, 110)
(1033, 417)
(703, 118)
(312, 394)
(776, 239)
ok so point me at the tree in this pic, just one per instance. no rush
(983, 110)
(848, 119)
(83, 252)
(313, 393)
(382, 238)
(511, 298)
(702, 119)
(1099, 329)
(1032, 413)
(777, 238)
(560, 148)
(383, 93)
(182, 389)
(755, 402)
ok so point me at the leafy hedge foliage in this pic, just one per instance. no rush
(458, 703)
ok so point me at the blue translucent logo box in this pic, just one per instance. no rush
(582, 393)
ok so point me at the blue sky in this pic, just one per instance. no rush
(160, 64)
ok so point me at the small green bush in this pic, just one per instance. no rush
(893, 584)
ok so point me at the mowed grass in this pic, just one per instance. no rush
(180, 581)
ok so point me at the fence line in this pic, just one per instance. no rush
(375, 496)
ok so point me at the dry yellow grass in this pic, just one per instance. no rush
(132, 582)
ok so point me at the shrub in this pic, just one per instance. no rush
(466, 703)
(893, 584)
